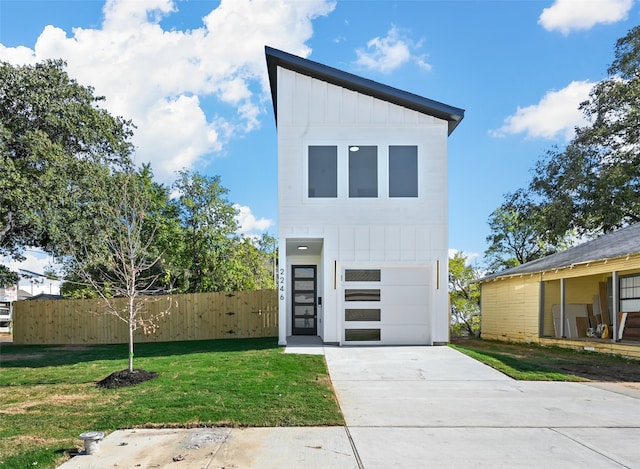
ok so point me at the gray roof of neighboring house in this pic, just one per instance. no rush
(45, 296)
(276, 58)
(622, 242)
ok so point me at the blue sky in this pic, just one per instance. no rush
(191, 74)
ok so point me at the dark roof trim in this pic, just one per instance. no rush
(277, 58)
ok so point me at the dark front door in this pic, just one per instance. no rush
(304, 307)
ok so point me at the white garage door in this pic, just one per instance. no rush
(387, 305)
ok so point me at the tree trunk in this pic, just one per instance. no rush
(130, 349)
(131, 327)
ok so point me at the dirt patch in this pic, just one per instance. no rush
(56, 399)
(21, 356)
(31, 440)
(124, 378)
(614, 373)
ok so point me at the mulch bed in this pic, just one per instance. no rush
(121, 379)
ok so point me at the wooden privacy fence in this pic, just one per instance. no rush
(197, 316)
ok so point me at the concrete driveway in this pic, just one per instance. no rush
(410, 407)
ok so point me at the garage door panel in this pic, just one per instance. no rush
(408, 314)
(397, 295)
(409, 334)
(407, 276)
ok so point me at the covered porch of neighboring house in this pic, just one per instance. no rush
(592, 307)
(602, 306)
(586, 297)
(589, 307)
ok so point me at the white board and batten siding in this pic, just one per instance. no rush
(406, 238)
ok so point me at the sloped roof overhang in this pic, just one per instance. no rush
(277, 58)
(623, 243)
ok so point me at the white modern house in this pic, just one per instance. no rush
(362, 207)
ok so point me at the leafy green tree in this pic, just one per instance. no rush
(519, 233)
(268, 245)
(56, 146)
(250, 267)
(209, 225)
(464, 297)
(7, 277)
(593, 185)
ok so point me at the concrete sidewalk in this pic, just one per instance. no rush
(412, 407)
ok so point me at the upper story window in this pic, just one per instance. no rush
(363, 171)
(323, 171)
(403, 171)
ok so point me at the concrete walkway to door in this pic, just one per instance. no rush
(420, 407)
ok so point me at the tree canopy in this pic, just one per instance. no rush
(590, 187)
(62, 164)
(55, 145)
(464, 297)
(593, 185)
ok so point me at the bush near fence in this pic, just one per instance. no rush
(197, 316)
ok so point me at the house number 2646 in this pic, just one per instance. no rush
(282, 281)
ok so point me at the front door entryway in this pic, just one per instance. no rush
(305, 292)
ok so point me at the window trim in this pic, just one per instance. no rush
(383, 171)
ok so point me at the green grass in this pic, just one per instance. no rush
(48, 394)
(518, 368)
(534, 362)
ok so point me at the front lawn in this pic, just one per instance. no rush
(48, 394)
(534, 362)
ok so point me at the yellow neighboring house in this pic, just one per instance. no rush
(587, 297)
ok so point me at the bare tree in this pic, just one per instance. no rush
(120, 264)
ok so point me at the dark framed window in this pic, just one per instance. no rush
(403, 171)
(358, 335)
(362, 314)
(323, 171)
(630, 287)
(362, 294)
(363, 171)
(630, 293)
(362, 275)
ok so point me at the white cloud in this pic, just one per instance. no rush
(386, 54)
(248, 224)
(575, 15)
(556, 114)
(161, 78)
(471, 256)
